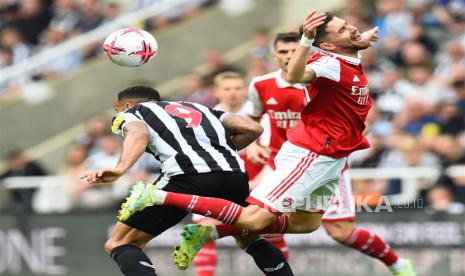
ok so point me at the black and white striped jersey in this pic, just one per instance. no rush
(185, 137)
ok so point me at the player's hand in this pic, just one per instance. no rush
(371, 35)
(313, 20)
(257, 154)
(107, 175)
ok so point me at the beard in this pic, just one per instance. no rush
(355, 46)
(360, 44)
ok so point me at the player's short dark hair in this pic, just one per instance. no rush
(321, 32)
(139, 92)
(286, 38)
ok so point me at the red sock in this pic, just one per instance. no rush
(277, 226)
(371, 244)
(217, 208)
(205, 261)
(278, 241)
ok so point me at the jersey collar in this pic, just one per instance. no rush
(352, 60)
(282, 83)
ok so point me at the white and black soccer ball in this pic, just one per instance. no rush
(130, 47)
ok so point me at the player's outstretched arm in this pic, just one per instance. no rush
(296, 69)
(244, 129)
(135, 142)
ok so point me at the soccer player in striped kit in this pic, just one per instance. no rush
(197, 147)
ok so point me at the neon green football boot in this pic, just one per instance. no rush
(142, 195)
(406, 270)
(193, 238)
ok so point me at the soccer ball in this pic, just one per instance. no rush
(130, 47)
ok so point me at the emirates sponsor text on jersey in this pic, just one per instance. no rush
(362, 93)
(285, 119)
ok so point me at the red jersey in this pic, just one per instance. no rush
(333, 121)
(283, 102)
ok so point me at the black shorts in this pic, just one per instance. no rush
(154, 220)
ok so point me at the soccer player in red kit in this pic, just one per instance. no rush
(271, 94)
(308, 166)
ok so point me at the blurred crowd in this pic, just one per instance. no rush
(28, 27)
(416, 76)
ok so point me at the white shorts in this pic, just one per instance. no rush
(303, 180)
(342, 206)
(266, 171)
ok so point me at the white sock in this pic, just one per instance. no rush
(397, 265)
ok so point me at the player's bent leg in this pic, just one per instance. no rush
(194, 237)
(125, 248)
(254, 218)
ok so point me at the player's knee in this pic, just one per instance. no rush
(109, 245)
(113, 242)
